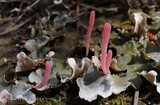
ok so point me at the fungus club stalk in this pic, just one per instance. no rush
(46, 75)
(104, 57)
(108, 61)
(90, 28)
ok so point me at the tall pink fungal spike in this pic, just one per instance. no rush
(46, 75)
(105, 58)
(90, 28)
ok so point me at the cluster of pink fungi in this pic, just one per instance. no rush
(105, 58)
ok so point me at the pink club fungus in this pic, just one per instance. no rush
(90, 28)
(105, 57)
(46, 75)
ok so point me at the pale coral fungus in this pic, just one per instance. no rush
(105, 57)
(46, 75)
(90, 28)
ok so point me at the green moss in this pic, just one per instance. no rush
(121, 99)
(47, 101)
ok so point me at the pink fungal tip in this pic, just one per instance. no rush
(105, 57)
(90, 28)
(46, 75)
(108, 62)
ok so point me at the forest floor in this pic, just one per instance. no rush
(36, 27)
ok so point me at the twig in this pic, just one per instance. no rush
(7, 19)
(147, 95)
(77, 12)
(136, 97)
(115, 9)
(16, 27)
(7, 1)
(26, 9)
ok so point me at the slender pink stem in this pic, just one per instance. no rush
(90, 28)
(46, 75)
(108, 61)
(105, 40)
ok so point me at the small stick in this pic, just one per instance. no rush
(16, 27)
(136, 97)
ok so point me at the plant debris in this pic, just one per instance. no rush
(75, 52)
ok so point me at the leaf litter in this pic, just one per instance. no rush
(49, 53)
